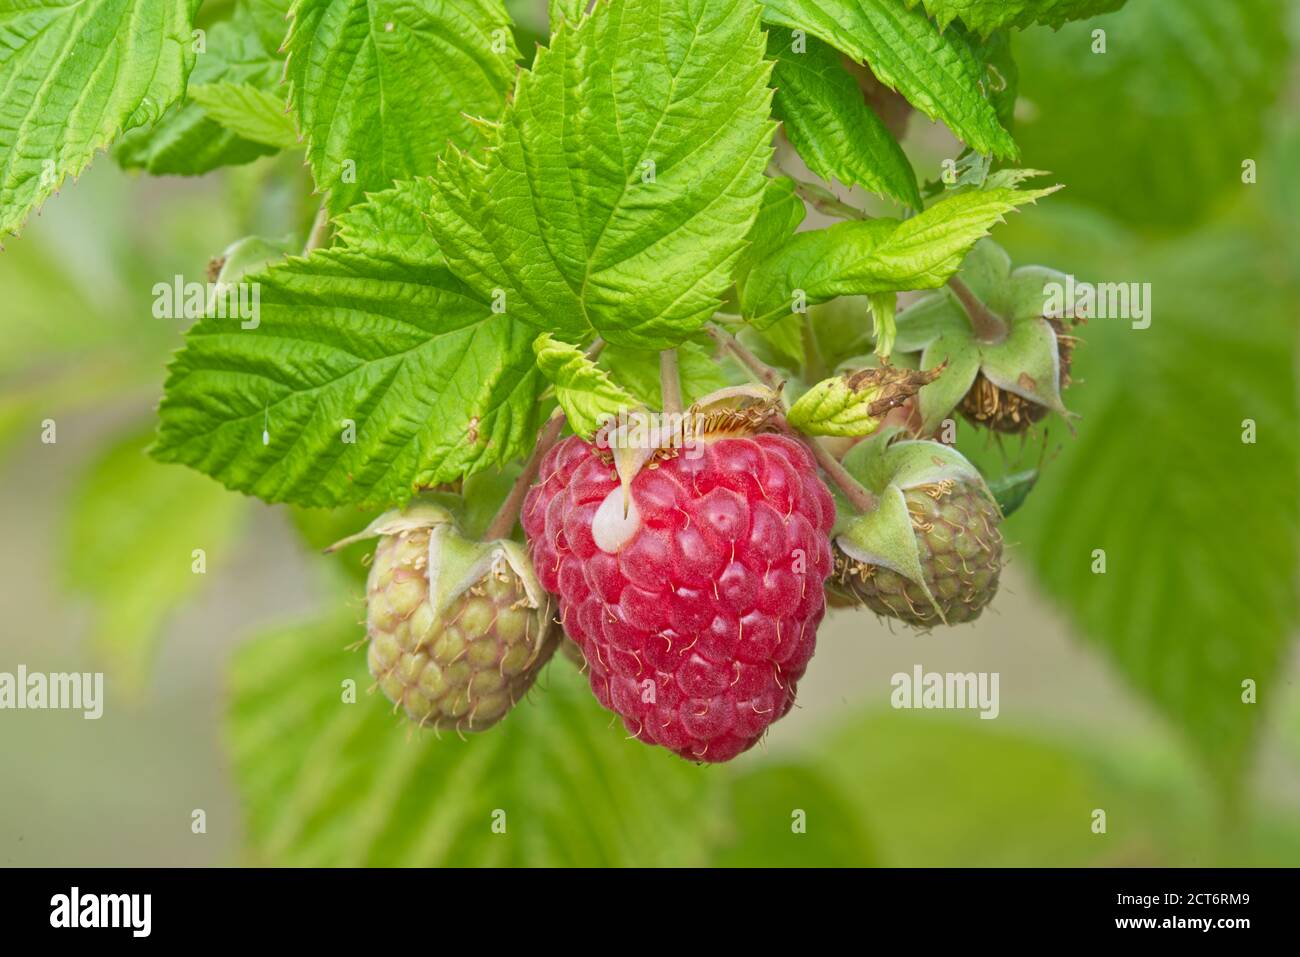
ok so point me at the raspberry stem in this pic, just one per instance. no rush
(503, 522)
(860, 498)
(988, 326)
(857, 494)
(670, 381)
(756, 366)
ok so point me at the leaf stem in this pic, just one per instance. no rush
(820, 198)
(824, 201)
(989, 327)
(670, 381)
(503, 522)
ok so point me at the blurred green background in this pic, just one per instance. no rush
(1119, 692)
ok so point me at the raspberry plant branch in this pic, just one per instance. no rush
(989, 327)
(858, 496)
(756, 366)
(504, 521)
(670, 381)
(320, 230)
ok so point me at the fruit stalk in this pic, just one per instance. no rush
(504, 520)
(989, 328)
(859, 497)
(760, 370)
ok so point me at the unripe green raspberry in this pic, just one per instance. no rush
(458, 629)
(960, 549)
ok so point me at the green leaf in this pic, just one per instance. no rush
(933, 791)
(779, 215)
(830, 124)
(1010, 491)
(186, 140)
(380, 87)
(352, 786)
(938, 73)
(1198, 526)
(1196, 76)
(247, 111)
(379, 340)
(791, 815)
(570, 10)
(985, 16)
(637, 370)
(583, 389)
(876, 256)
(624, 177)
(129, 544)
(270, 20)
(398, 221)
(74, 76)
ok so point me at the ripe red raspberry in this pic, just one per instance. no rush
(698, 613)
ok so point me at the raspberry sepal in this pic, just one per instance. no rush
(1005, 385)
